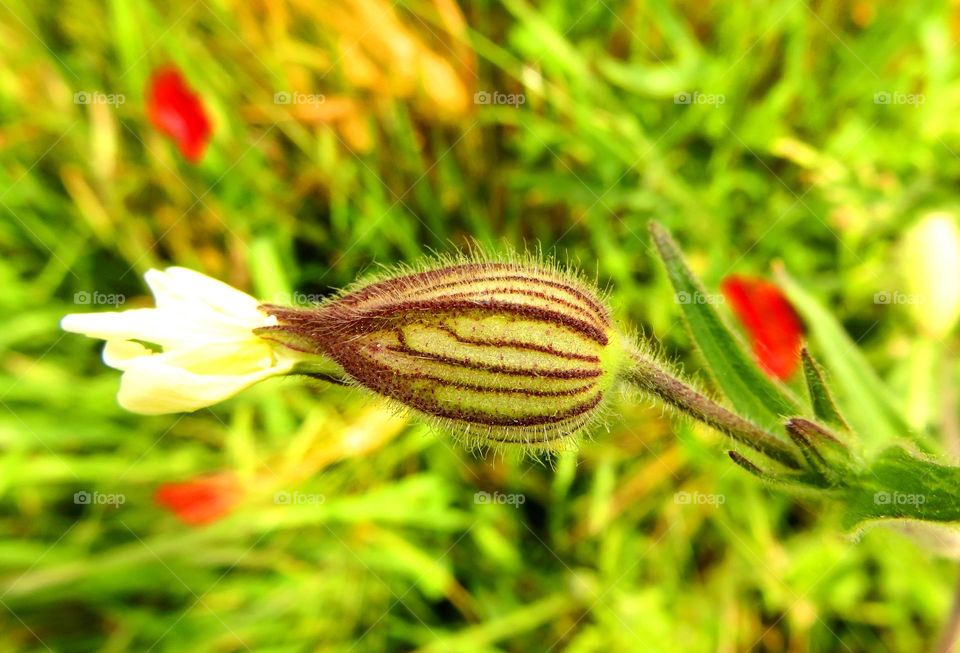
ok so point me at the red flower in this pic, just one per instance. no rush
(774, 326)
(175, 110)
(202, 500)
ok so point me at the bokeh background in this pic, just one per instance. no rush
(814, 133)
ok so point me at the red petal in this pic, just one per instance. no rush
(201, 500)
(775, 330)
(176, 110)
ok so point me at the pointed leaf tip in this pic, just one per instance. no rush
(750, 391)
(821, 399)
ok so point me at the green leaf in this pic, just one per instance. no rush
(867, 402)
(750, 391)
(820, 398)
(901, 485)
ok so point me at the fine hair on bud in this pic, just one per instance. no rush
(500, 351)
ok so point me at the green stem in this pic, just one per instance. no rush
(650, 376)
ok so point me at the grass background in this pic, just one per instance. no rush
(799, 163)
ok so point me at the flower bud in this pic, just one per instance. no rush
(932, 269)
(503, 353)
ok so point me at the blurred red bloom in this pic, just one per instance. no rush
(201, 500)
(773, 325)
(176, 110)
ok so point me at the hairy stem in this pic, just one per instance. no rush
(650, 376)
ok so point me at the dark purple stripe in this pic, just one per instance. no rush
(421, 376)
(491, 305)
(411, 281)
(526, 293)
(599, 309)
(563, 431)
(488, 420)
(435, 279)
(547, 349)
(404, 348)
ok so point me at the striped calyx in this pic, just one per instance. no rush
(500, 352)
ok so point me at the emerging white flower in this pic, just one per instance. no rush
(204, 331)
(932, 269)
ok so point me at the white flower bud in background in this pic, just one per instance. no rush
(931, 270)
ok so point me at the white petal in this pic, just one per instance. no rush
(175, 286)
(139, 324)
(154, 384)
(223, 358)
(167, 328)
(119, 354)
(152, 389)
